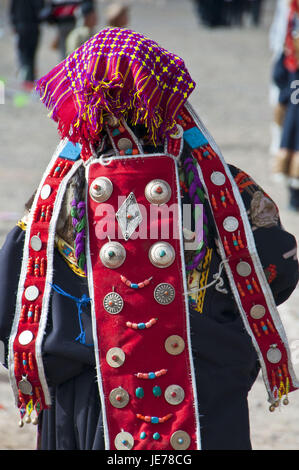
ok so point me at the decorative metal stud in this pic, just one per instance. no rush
(257, 311)
(115, 357)
(112, 255)
(45, 191)
(36, 243)
(119, 397)
(25, 386)
(174, 394)
(218, 178)
(164, 293)
(113, 303)
(124, 144)
(31, 293)
(25, 337)
(162, 254)
(230, 223)
(101, 189)
(158, 192)
(174, 345)
(243, 269)
(124, 441)
(129, 216)
(180, 440)
(274, 354)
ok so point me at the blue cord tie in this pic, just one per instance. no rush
(83, 301)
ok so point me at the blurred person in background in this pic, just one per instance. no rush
(286, 76)
(65, 15)
(117, 15)
(24, 18)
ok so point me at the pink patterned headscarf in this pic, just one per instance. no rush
(118, 72)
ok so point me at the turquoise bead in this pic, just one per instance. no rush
(154, 420)
(139, 392)
(151, 375)
(162, 253)
(156, 436)
(115, 132)
(141, 326)
(157, 391)
(134, 286)
(143, 435)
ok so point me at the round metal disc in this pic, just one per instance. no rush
(113, 303)
(26, 337)
(164, 293)
(174, 394)
(180, 440)
(36, 243)
(158, 192)
(174, 345)
(162, 254)
(274, 355)
(101, 189)
(112, 255)
(257, 311)
(124, 144)
(218, 178)
(115, 357)
(124, 441)
(230, 223)
(119, 397)
(25, 386)
(46, 191)
(243, 269)
(31, 293)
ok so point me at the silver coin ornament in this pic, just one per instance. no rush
(164, 293)
(180, 440)
(31, 293)
(218, 178)
(119, 397)
(158, 192)
(243, 269)
(124, 441)
(45, 191)
(230, 224)
(113, 303)
(174, 345)
(112, 255)
(101, 189)
(25, 386)
(274, 354)
(124, 144)
(25, 337)
(129, 216)
(174, 394)
(36, 243)
(162, 254)
(115, 357)
(257, 311)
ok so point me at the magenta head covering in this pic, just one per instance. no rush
(118, 72)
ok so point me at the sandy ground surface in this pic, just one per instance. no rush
(232, 70)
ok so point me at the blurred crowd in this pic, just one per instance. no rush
(215, 13)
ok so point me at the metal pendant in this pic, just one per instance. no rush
(158, 192)
(25, 386)
(112, 255)
(101, 189)
(162, 254)
(274, 354)
(113, 303)
(129, 216)
(164, 293)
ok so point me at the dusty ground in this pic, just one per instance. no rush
(232, 69)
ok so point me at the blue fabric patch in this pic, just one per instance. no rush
(195, 138)
(71, 151)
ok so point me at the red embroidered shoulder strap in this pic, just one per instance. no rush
(239, 254)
